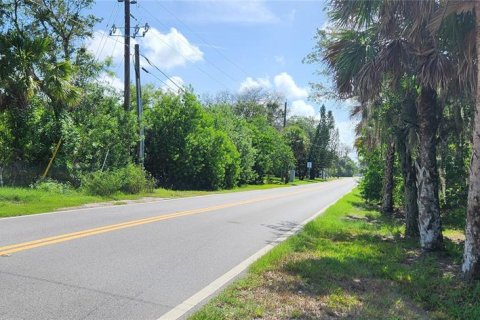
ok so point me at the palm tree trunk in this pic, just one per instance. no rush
(427, 176)
(471, 255)
(387, 202)
(410, 187)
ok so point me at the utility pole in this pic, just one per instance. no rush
(285, 115)
(126, 91)
(141, 142)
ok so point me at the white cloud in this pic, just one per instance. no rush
(172, 85)
(234, 12)
(111, 80)
(301, 108)
(285, 85)
(102, 45)
(165, 50)
(169, 50)
(253, 84)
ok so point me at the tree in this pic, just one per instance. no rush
(183, 148)
(391, 40)
(299, 142)
(240, 133)
(320, 153)
(468, 13)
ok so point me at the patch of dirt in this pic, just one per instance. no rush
(283, 295)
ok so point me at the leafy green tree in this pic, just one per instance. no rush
(211, 160)
(320, 153)
(183, 148)
(299, 143)
(240, 133)
(274, 156)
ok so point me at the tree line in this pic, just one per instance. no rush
(51, 99)
(413, 67)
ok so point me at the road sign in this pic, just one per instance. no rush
(309, 165)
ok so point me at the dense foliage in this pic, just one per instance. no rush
(413, 68)
(53, 107)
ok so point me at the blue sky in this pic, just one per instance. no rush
(225, 45)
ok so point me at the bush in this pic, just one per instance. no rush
(372, 181)
(101, 183)
(50, 185)
(130, 179)
(134, 180)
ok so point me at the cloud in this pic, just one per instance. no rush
(301, 108)
(165, 50)
(170, 50)
(233, 12)
(111, 80)
(253, 84)
(102, 45)
(172, 84)
(285, 84)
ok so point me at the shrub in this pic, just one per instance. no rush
(130, 179)
(372, 181)
(50, 185)
(101, 183)
(134, 179)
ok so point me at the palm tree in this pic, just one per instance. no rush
(467, 13)
(389, 41)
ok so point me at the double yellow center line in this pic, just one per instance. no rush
(9, 249)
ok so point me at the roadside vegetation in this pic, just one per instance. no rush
(352, 262)
(413, 68)
(49, 196)
(63, 128)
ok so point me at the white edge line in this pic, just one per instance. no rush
(184, 307)
(143, 203)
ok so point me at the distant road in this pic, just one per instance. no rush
(147, 260)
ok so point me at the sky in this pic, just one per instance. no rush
(229, 45)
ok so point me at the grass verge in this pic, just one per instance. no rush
(25, 201)
(350, 263)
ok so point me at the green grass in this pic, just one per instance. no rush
(24, 201)
(351, 263)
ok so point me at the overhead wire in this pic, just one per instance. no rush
(159, 70)
(206, 59)
(114, 13)
(183, 55)
(220, 53)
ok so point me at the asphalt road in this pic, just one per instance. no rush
(141, 261)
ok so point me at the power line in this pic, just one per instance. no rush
(207, 60)
(104, 35)
(183, 55)
(166, 84)
(205, 41)
(167, 76)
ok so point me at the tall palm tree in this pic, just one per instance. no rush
(467, 13)
(399, 44)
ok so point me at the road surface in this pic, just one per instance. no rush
(155, 260)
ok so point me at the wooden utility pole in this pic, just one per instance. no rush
(126, 91)
(141, 142)
(285, 115)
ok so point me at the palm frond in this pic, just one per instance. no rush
(435, 69)
(450, 7)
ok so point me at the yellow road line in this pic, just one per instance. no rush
(9, 249)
